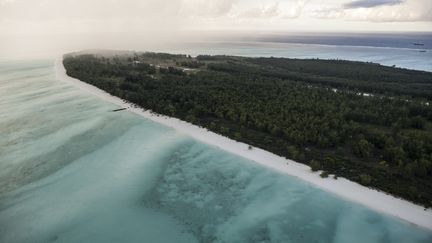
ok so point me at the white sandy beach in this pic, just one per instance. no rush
(342, 187)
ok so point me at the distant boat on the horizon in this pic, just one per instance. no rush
(418, 44)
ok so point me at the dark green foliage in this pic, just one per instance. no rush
(191, 64)
(363, 148)
(153, 55)
(171, 70)
(290, 107)
(365, 179)
(324, 174)
(363, 77)
(417, 122)
(315, 165)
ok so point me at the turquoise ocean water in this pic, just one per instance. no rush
(73, 171)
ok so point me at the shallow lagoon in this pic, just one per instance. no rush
(71, 170)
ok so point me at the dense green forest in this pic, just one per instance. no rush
(362, 121)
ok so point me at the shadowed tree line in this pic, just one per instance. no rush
(312, 111)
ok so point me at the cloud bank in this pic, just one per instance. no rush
(90, 16)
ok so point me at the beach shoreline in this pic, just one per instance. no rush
(342, 187)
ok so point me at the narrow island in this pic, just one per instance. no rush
(368, 123)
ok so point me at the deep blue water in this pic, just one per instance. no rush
(411, 40)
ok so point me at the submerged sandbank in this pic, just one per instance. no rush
(342, 187)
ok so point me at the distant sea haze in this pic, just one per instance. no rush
(395, 40)
(405, 50)
(411, 51)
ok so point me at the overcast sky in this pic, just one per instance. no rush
(47, 27)
(89, 16)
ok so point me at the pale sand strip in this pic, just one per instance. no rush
(344, 188)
